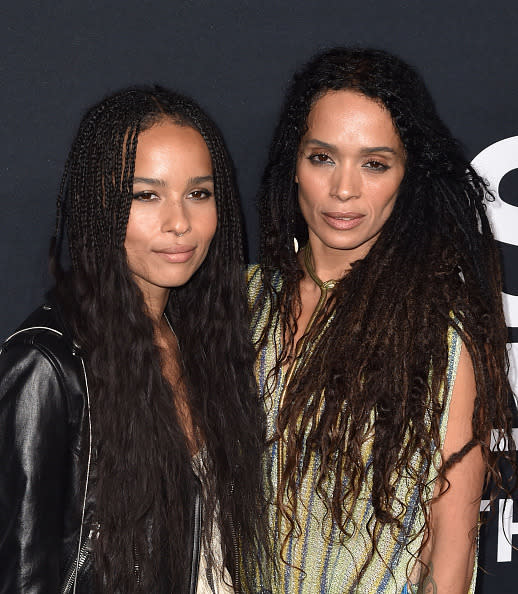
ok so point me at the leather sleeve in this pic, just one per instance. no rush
(33, 465)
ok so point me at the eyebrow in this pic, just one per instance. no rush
(152, 181)
(365, 150)
(378, 149)
(200, 179)
(319, 143)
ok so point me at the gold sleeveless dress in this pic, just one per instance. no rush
(320, 559)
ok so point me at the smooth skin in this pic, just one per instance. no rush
(349, 169)
(173, 216)
(350, 165)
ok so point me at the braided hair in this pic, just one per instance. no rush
(434, 266)
(144, 483)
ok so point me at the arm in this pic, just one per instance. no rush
(33, 441)
(452, 545)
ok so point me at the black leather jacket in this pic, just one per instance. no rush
(47, 511)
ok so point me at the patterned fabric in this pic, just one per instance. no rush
(319, 559)
(213, 578)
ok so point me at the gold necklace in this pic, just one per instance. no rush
(324, 287)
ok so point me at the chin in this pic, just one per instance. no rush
(178, 281)
(342, 244)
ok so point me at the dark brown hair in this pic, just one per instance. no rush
(145, 484)
(434, 266)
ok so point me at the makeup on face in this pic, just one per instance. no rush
(350, 165)
(173, 215)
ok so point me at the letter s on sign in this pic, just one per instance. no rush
(492, 164)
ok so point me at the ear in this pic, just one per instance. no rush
(296, 179)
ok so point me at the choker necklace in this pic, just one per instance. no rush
(324, 286)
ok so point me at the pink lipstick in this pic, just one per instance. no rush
(342, 221)
(177, 253)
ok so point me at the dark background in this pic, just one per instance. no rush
(235, 58)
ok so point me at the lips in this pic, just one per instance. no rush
(176, 253)
(343, 220)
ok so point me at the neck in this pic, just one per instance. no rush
(165, 336)
(155, 305)
(308, 264)
(326, 264)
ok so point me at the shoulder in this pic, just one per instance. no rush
(254, 283)
(255, 279)
(44, 332)
(253, 272)
(263, 293)
(40, 364)
(261, 288)
(458, 357)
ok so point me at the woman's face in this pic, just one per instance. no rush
(173, 214)
(350, 165)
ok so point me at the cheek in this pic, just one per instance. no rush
(384, 196)
(316, 184)
(134, 249)
(133, 239)
(311, 187)
(387, 210)
(140, 228)
(133, 259)
(206, 224)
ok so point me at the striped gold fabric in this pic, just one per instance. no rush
(319, 558)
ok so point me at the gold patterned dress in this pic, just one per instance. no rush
(319, 558)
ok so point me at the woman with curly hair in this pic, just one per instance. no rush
(131, 435)
(381, 342)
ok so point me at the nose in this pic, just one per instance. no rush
(175, 219)
(346, 182)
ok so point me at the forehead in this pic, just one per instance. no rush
(170, 136)
(349, 113)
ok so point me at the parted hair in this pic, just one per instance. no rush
(145, 486)
(384, 356)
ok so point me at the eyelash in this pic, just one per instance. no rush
(314, 158)
(378, 167)
(151, 196)
(145, 196)
(206, 196)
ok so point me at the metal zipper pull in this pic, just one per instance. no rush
(78, 562)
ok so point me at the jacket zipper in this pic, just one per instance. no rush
(236, 582)
(195, 563)
(79, 561)
(87, 547)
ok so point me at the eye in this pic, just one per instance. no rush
(200, 194)
(320, 158)
(376, 166)
(145, 196)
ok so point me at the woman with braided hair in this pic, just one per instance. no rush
(131, 435)
(381, 342)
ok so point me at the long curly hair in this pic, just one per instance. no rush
(384, 355)
(145, 484)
